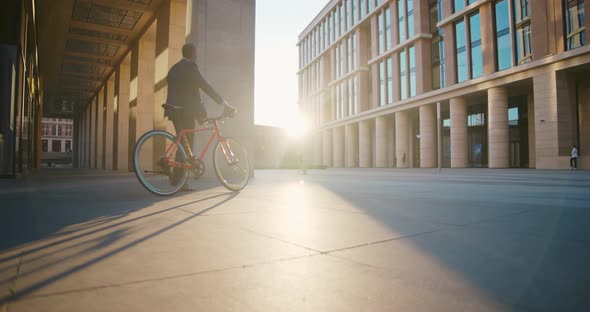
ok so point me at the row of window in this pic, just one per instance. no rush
(56, 146)
(346, 97)
(405, 77)
(469, 49)
(56, 130)
(513, 47)
(341, 19)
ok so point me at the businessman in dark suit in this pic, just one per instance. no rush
(184, 83)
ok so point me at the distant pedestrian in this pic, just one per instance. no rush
(574, 159)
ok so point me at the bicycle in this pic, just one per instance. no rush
(162, 164)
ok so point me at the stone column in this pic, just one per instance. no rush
(317, 147)
(584, 111)
(93, 131)
(87, 135)
(122, 76)
(339, 147)
(402, 142)
(170, 37)
(423, 65)
(328, 141)
(365, 144)
(458, 112)
(531, 130)
(546, 129)
(144, 59)
(100, 130)
(449, 48)
(352, 141)
(428, 136)
(109, 123)
(498, 138)
(381, 129)
(488, 36)
(81, 138)
(223, 32)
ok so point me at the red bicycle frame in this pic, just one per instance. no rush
(215, 135)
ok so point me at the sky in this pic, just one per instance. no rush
(278, 25)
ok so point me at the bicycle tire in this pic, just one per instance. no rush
(141, 165)
(238, 163)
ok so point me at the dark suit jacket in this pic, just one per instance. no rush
(184, 82)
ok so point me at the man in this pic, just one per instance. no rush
(184, 82)
(574, 158)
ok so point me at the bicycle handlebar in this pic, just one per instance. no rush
(225, 115)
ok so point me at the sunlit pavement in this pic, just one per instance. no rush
(331, 240)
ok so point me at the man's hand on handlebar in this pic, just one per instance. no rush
(229, 110)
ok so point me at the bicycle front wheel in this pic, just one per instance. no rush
(152, 163)
(231, 164)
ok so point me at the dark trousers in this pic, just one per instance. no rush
(574, 162)
(184, 123)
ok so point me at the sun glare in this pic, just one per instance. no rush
(297, 126)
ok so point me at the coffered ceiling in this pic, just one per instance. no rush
(80, 43)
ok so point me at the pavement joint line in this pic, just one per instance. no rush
(381, 241)
(164, 278)
(280, 240)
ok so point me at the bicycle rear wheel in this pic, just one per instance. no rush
(151, 163)
(231, 164)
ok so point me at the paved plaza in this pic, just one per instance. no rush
(331, 240)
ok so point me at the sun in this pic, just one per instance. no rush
(297, 126)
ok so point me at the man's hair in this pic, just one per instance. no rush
(189, 50)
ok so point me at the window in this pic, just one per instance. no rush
(356, 95)
(338, 110)
(355, 61)
(54, 130)
(355, 15)
(461, 51)
(503, 35)
(336, 24)
(574, 24)
(348, 14)
(390, 80)
(46, 129)
(402, 75)
(382, 92)
(350, 55)
(412, 54)
(476, 54)
(343, 99)
(337, 61)
(458, 5)
(363, 7)
(342, 21)
(437, 55)
(400, 21)
(387, 28)
(524, 51)
(56, 146)
(410, 18)
(68, 146)
(380, 33)
(44, 146)
(351, 97)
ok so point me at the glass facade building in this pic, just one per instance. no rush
(474, 59)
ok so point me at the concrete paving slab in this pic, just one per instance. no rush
(319, 283)
(409, 240)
